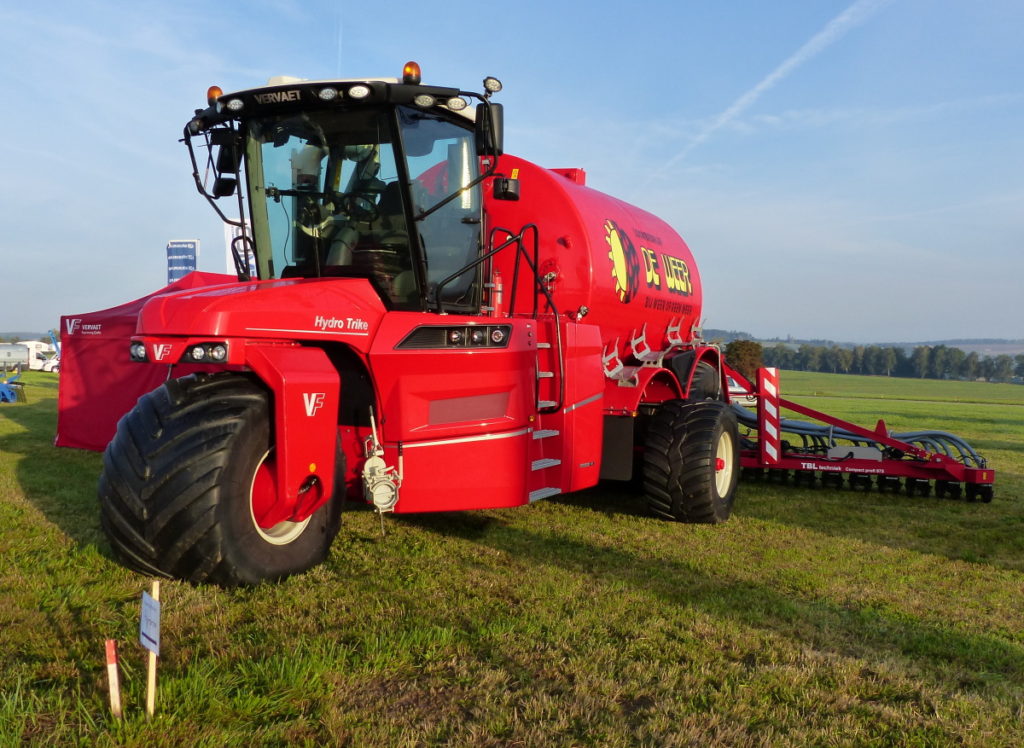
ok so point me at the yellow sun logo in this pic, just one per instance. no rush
(625, 265)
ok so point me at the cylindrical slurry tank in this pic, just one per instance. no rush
(611, 264)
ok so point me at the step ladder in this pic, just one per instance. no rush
(546, 470)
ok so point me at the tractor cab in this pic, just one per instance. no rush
(375, 179)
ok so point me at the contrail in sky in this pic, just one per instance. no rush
(339, 41)
(854, 15)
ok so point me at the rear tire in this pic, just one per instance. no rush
(691, 461)
(706, 383)
(178, 481)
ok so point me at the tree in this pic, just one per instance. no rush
(920, 361)
(939, 359)
(858, 359)
(890, 360)
(1019, 368)
(986, 368)
(831, 358)
(809, 357)
(955, 361)
(745, 356)
(1002, 368)
(970, 366)
(845, 356)
(873, 363)
(780, 356)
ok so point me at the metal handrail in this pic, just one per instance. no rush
(519, 241)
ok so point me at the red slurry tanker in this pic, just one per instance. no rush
(419, 320)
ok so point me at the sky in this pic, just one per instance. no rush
(850, 170)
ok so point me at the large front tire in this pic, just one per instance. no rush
(179, 482)
(691, 461)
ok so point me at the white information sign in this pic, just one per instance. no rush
(149, 624)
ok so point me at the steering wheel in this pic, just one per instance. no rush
(357, 207)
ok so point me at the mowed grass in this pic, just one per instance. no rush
(812, 617)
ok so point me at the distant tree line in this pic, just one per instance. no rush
(923, 362)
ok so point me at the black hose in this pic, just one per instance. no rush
(824, 436)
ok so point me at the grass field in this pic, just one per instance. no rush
(811, 618)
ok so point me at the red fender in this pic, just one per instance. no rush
(649, 384)
(306, 391)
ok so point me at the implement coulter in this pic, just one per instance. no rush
(830, 448)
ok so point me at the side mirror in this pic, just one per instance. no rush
(224, 186)
(490, 130)
(227, 159)
(228, 145)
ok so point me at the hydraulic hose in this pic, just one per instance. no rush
(820, 437)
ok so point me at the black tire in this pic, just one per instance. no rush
(177, 483)
(691, 461)
(706, 384)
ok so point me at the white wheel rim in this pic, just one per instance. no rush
(724, 463)
(282, 533)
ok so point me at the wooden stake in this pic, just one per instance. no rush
(151, 671)
(112, 679)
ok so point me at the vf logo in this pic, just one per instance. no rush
(313, 402)
(72, 325)
(161, 351)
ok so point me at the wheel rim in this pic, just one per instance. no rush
(262, 495)
(724, 464)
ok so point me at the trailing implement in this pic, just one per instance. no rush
(829, 449)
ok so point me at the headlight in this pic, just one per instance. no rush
(206, 353)
(462, 336)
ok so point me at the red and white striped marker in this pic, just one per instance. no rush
(768, 419)
(112, 678)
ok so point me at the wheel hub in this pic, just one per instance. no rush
(724, 464)
(262, 497)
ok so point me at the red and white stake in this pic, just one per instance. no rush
(769, 419)
(112, 678)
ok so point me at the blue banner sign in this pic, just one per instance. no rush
(182, 255)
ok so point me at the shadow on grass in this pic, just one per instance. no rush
(977, 532)
(953, 658)
(609, 498)
(60, 482)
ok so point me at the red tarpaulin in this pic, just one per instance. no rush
(99, 383)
